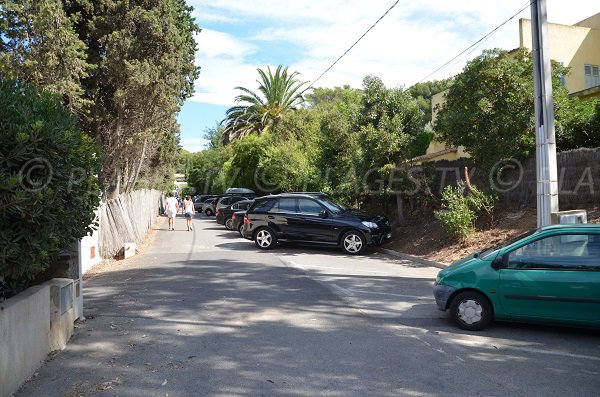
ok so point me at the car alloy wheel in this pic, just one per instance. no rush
(208, 212)
(353, 243)
(471, 311)
(264, 239)
(229, 224)
(240, 227)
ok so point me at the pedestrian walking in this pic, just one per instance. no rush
(188, 208)
(172, 207)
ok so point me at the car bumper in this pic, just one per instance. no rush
(377, 237)
(442, 293)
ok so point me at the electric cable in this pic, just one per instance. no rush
(352, 46)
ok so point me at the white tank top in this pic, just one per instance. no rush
(188, 206)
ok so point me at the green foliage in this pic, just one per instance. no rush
(39, 45)
(583, 125)
(489, 108)
(459, 209)
(124, 67)
(254, 112)
(48, 183)
(422, 93)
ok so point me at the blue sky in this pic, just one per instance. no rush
(414, 39)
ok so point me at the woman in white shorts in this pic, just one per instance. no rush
(172, 206)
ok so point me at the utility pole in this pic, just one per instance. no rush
(545, 141)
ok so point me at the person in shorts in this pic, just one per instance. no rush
(172, 207)
(188, 209)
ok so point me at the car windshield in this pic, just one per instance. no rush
(332, 205)
(486, 251)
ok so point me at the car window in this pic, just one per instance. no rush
(285, 205)
(308, 206)
(235, 206)
(565, 251)
(245, 206)
(263, 205)
(332, 205)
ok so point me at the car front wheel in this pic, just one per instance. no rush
(353, 242)
(208, 212)
(264, 239)
(229, 224)
(471, 311)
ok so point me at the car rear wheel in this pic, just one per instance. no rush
(353, 242)
(471, 311)
(208, 212)
(229, 223)
(240, 229)
(265, 239)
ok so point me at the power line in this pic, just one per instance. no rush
(352, 46)
(528, 4)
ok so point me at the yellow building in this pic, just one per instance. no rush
(576, 46)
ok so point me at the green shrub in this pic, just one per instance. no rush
(460, 209)
(48, 184)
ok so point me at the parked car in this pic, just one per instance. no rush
(313, 218)
(549, 275)
(199, 202)
(209, 207)
(224, 213)
(237, 221)
(225, 199)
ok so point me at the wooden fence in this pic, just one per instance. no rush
(127, 219)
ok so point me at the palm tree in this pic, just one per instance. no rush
(254, 113)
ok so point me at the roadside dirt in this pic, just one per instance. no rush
(425, 236)
(109, 264)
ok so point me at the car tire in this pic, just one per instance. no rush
(264, 238)
(240, 227)
(208, 212)
(353, 242)
(229, 224)
(471, 311)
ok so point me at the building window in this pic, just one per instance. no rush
(592, 77)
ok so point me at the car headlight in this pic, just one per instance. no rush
(370, 225)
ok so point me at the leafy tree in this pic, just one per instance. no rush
(49, 189)
(39, 46)
(489, 108)
(254, 112)
(422, 93)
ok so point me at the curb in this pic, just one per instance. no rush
(412, 258)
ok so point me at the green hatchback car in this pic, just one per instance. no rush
(548, 275)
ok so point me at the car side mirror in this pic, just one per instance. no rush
(323, 214)
(499, 262)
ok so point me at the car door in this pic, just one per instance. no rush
(310, 226)
(282, 218)
(554, 277)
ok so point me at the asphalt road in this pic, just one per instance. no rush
(205, 313)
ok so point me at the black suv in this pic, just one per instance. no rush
(313, 218)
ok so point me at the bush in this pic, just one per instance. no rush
(459, 210)
(48, 184)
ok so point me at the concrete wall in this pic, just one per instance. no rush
(32, 324)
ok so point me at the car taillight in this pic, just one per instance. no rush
(233, 216)
(219, 212)
(246, 220)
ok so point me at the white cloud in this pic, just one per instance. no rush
(410, 42)
(194, 144)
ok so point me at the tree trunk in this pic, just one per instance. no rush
(136, 172)
(400, 208)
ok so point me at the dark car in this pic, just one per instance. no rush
(313, 218)
(237, 221)
(224, 213)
